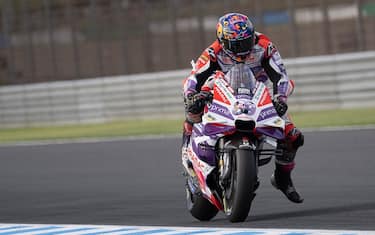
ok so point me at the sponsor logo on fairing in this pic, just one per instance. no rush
(243, 91)
(267, 113)
(219, 109)
(223, 89)
(196, 161)
(259, 92)
(210, 118)
(243, 107)
(221, 95)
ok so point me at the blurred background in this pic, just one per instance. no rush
(45, 40)
(85, 61)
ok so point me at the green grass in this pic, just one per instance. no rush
(347, 117)
(112, 129)
(156, 127)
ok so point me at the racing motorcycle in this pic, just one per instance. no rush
(241, 127)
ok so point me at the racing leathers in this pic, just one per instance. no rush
(267, 66)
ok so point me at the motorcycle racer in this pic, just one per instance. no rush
(238, 42)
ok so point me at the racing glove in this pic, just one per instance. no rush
(280, 105)
(194, 103)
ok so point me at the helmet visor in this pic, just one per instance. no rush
(239, 47)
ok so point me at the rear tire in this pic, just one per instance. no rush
(240, 193)
(199, 207)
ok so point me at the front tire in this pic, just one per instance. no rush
(199, 207)
(239, 193)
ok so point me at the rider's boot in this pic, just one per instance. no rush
(281, 178)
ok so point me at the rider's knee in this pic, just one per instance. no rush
(294, 138)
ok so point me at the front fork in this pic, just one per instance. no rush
(226, 165)
(224, 161)
(224, 157)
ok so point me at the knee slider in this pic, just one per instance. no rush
(295, 138)
(299, 141)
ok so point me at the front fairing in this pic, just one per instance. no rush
(221, 114)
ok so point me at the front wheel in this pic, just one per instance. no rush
(239, 192)
(199, 207)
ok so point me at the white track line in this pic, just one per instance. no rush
(23, 229)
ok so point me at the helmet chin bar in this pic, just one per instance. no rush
(239, 57)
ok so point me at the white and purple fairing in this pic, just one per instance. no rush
(237, 98)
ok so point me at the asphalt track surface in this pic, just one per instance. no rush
(139, 182)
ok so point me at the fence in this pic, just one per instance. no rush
(44, 40)
(324, 82)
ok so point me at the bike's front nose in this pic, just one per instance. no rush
(244, 125)
(243, 111)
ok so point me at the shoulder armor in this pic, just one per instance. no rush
(266, 44)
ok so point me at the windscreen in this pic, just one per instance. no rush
(241, 79)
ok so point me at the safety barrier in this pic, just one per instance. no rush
(324, 82)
